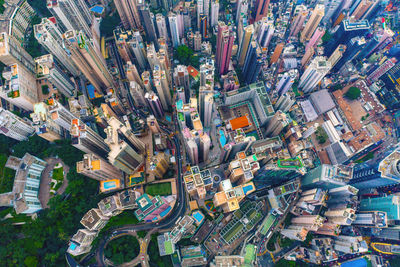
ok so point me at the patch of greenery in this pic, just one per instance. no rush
(40, 7)
(32, 45)
(186, 56)
(45, 89)
(353, 93)
(272, 241)
(123, 249)
(109, 23)
(2, 8)
(321, 135)
(58, 174)
(162, 189)
(367, 157)
(6, 175)
(155, 259)
(141, 234)
(326, 37)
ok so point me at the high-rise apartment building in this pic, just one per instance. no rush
(337, 55)
(128, 12)
(15, 127)
(132, 74)
(312, 23)
(87, 140)
(361, 9)
(314, 73)
(161, 26)
(44, 126)
(181, 78)
(284, 103)
(87, 59)
(73, 14)
(127, 134)
(206, 103)
(162, 87)
(384, 173)
(137, 94)
(174, 29)
(264, 31)
(122, 155)
(19, 87)
(214, 12)
(241, 10)
(147, 20)
(48, 34)
(153, 124)
(97, 168)
(286, 81)
(276, 124)
(319, 32)
(260, 9)
(225, 39)
(244, 44)
(60, 114)
(253, 63)
(136, 45)
(159, 164)
(155, 104)
(12, 53)
(300, 15)
(111, 97)
(48, 69)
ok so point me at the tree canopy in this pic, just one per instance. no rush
(353, 93)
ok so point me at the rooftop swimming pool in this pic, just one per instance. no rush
(198, 216)
(109, 185)
(360, 262)
(247, 188)
(222, 138)
(97, 9)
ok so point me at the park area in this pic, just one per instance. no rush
(6, 175)
(159, 189)
(122, 249)
(57, 178)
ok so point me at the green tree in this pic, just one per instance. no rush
(184, 54)
(321, 135)
(31, 261)
(122, 249)
(45, 89)
(326, 37)
(109, 23)
(353, 93)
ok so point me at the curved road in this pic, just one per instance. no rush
(178, 211)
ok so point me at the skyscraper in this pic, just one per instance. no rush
(48, 35)
(247, 37)
(73, 14)
(15, 127)
(286, 81)
(87, 140)
(361, 9)
(312, 23)
(253, 63)
(207, 70)
(277, 53)
(128, 13)
(225, 41)
(60, 114)
(314, 73)
(181, 78)
(153, 124)
(205, 143)
(384, 173)
(137, 94)
(284, 103)
(241, 10)
(11, 53)
(122, 155)
(97, 168)
(354, 46)
(346, 31)
(214, 12)
(337, 55)
(86, 58)
(136, 45)
(319, 32)
(47, 68)
(265, 30)
(162, 87)
(147, 19)
(276, 124)
(161, 26)
(19, 87)
(173, 27)
(206, 101)
(44, 125)
(154, 104)
(260, 9)
(301, 14)
(127, 134)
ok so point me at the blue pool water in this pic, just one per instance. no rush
(360, 262)
(165, 212)
(198, 216)
(109, 185)
(247, 188)
(222, 139)
(179, 104)
(97, 9)
(90, 89)
(72, 246)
